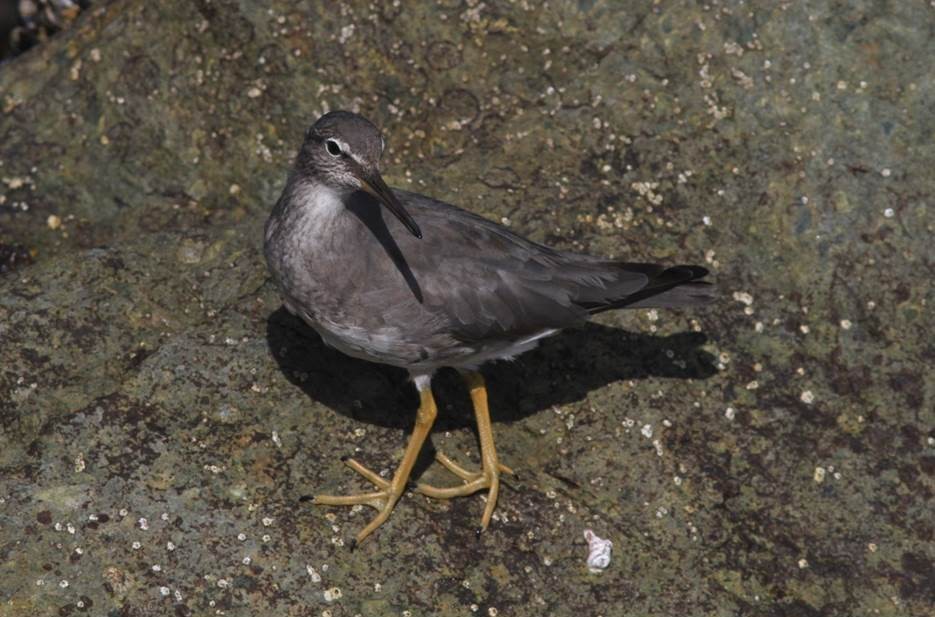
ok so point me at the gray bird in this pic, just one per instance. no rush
(431, 286)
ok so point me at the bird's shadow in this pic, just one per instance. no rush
(563, 369)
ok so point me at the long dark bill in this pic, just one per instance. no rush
(374, 184)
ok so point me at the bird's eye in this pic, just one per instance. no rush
(333, 148)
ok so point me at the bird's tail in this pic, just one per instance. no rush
(674, 287)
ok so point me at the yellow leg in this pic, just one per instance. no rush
(489, 476)
(385, 499)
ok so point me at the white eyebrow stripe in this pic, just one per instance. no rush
(346, 150)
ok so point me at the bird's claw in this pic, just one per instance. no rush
(472, 481)
(382, 500)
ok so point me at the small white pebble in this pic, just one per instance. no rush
(886, 173)
(315, 576)
(164, 591)
(803, 563)
(144, 524)
(63, 584)
(889, 213)
(267, 521)
(136, 546)
(157, 568)
(729, 413)
(807, 397)
(819, 476)
(170, 546)
(332, 594)
(647, 430)
(872, 547)
(54, 222)
(846, 324)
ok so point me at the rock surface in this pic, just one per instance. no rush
(772, 455)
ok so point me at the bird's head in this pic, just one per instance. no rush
(342, 150)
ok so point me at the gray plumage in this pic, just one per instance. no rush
(470, 290)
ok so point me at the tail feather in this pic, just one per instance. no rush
(681, 296)
(674, 287)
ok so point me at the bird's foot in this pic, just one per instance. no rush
(383, 500)
(487, 478)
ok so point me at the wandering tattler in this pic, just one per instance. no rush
(432, 286)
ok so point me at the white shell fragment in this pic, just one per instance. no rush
(598, 551)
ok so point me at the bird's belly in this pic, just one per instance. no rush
(383, 344)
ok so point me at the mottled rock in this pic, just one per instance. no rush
(160, 417)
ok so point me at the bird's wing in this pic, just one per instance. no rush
(488, 282)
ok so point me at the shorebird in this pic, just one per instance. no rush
(431, 286)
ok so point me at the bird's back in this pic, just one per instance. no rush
(490, 282)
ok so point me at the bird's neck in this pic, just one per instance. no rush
(313, 198)
(308, 210)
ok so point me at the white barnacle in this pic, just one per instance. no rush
(598, 551)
